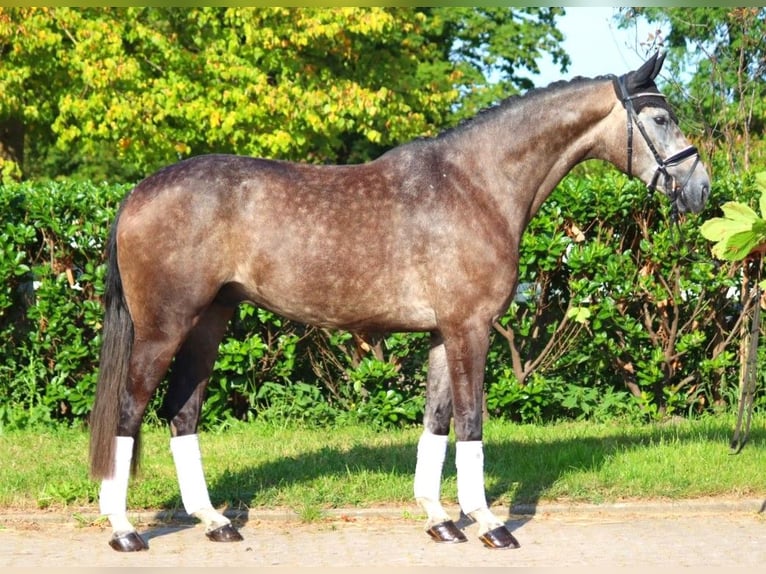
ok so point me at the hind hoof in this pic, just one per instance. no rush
(446, 532)
(130, 542)
(225, 533)
(499, 538)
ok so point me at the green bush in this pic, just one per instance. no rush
(620, 314)
(52, 239)
(637, 304)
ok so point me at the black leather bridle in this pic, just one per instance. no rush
(662, 164)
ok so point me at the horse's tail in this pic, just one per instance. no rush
(116, 347)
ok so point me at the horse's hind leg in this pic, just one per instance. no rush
(149, 361)
(188, 379)
(432, 447)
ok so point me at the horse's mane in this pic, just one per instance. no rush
(518, 100)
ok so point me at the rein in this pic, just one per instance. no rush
(662, 164)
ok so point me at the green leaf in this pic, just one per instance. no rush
(759, 229)
(739, 245)
(738, 212)
(579, 314)
(760, 182)
(738, 232)
(718, 228)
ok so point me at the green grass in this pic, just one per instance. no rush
(311, 470)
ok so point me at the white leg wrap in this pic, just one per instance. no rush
(211, 518)
(113, 495)
(432, 450)
(120, 524)
(486, 519)
(191, 478)
(469, 460)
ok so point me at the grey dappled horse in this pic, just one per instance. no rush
(424, 238)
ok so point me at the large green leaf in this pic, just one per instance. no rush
(760, 183)
(738, 212)
(718, 228)
(737, 246)
(740, 230)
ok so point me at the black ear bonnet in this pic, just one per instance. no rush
(639, 86)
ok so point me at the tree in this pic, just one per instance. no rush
(117, 92)
(723, 49)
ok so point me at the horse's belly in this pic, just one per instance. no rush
(373, 302)
(351, 316)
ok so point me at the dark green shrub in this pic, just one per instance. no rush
(632, 306)
(625, 315)
(51, 237)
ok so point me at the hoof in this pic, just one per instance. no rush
(499, 537)
(446, 532)
(130, 542)
(225, 533)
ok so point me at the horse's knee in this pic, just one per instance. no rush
(437, 421)
(468, 427)
(438, 412)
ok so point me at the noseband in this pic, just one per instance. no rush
(662, 164)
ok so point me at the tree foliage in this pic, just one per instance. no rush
(115, 93)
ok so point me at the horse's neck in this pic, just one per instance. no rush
(534, 144)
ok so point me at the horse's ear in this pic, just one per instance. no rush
(648, 71)
(658, 61)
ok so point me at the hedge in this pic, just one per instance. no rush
(619, 313)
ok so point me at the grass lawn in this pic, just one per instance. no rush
(307, 470)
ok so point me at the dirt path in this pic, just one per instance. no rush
(689, 534)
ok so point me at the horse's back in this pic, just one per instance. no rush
(333, 245)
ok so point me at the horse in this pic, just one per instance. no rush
(424, 238)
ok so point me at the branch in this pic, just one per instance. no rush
(549, 352)
(648, 323)
(518, 370)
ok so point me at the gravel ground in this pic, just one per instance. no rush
(702, 533)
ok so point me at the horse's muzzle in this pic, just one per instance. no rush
(693, 196)
(687, 189)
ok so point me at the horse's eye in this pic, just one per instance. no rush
(660, 120)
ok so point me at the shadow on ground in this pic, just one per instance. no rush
(525, 485)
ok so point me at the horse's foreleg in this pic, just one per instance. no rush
(466, 357)
(469, 460)
(432, 447)
(183, 403)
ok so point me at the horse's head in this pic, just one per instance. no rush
(658, 153)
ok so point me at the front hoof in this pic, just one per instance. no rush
(130, 542)
(225, 533)
(446, 532)
(499, 538)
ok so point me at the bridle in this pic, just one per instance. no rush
(662, 164)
